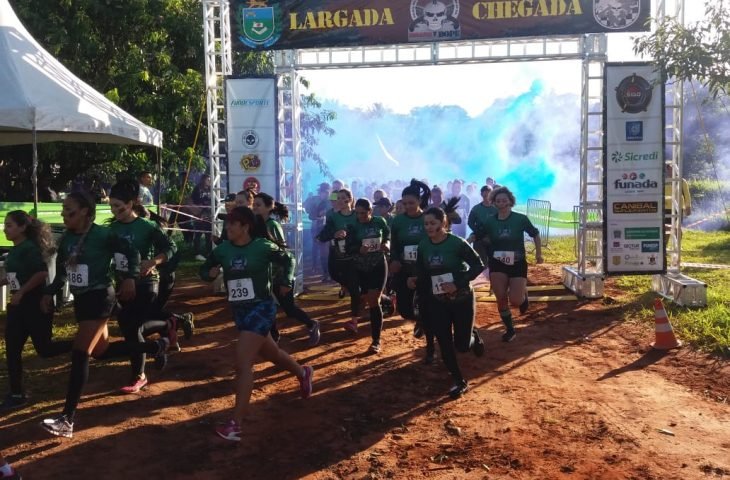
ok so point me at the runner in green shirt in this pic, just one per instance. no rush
(477, 219)
(247, 258)
(505, 237)
(407, 232)
(25, 275)
(368, 240)
(265, 207)
(444, 267)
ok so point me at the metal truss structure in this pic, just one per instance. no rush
(585, 279)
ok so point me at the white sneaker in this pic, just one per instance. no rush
(200, 258)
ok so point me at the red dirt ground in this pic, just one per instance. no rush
(578, 395)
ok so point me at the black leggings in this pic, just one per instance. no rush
(404, 295)
(286, 302)
(23, 321)
(453, 325)
(366, 281)
(134, 321)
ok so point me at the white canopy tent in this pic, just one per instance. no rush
(42, 101)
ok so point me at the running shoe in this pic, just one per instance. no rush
(200, 258)
(229, 431)
(314, 334)
(458, 389)
(14, 475)
(375, 348)
(172, 334)
(58, 426)
(351, 325)
(478, 347)
(163, 344)
(187, 322)
(305, 382)
(418, 330)
(13, 401)
(525, 304)
(138, 384)
(509, 335)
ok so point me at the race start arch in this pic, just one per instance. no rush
(311, 34)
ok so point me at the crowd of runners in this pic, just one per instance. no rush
(408, 256)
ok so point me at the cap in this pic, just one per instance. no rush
(231, 197)
(384, 202)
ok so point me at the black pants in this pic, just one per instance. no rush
(452, 324)
(404, 295)
(136, 322)
(363, 281)
(286, 302)
(23, 321)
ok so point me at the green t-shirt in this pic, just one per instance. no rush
(22, 262)
(450, 261)
(334, 223)
(275, 230)
(92, 270)
(148, 238)
(478, 218)
(247, 269)
(406, 233)
(372, 234)
(506, 237)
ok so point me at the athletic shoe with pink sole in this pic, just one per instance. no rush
(229, 431)
(351, 325)
(305, 382)
(138, 384)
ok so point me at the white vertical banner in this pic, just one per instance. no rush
(251, 133)
(633, 160)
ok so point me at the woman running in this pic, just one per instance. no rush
(445, 265)
(340, 260)
(508, 263)
(368, 241)
(25, 275)
(477, 220)
(136, 317)
(265, 206)
(84, 258)
(247, 258)
(406, 233)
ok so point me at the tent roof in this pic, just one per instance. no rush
(37, 91)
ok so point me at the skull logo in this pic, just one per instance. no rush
(434, 13)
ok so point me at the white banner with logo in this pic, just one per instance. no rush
(633, 158)
(251, 128)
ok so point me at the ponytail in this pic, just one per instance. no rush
(36, 231)
(419, 190)
(278, 209)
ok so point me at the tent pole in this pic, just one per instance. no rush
(34, 177)
(159, 179)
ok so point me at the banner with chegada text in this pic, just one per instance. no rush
(251, 133)
(633, 159)
(296, 24)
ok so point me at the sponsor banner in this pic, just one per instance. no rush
(251, 127)
(294, 24)
(633, 169)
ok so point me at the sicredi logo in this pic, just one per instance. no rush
(619, 157)
(249, 102)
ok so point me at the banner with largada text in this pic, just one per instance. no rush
(295, 24)
(633, 160)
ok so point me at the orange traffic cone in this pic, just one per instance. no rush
(665, 339)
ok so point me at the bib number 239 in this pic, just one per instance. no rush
(240, 289)
(78, 276)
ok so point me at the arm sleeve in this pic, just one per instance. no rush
(328, 232)
(472, 221)
(475, 265)
(395, 247)
(386, 231)
(530, 228)
(163, 243)
(210, 262)
(126, 248)
(286, 261)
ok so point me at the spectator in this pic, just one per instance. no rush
(145, 183)
(201, 199)
(45, 192)
(462, 208)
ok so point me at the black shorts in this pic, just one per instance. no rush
(94, 304)
(518, 270)
(373, 279)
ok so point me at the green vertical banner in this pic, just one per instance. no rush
(295, 24)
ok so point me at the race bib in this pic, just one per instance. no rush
(339, 244)
(438, 280)
(508, 258)
(372, 244)
(121, 262)
(240, 289)
(78, 276)
(410, 253)
(13, 283)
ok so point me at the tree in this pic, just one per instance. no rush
(697, 51)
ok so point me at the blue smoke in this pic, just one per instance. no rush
(529, 142)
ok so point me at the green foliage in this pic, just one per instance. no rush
(696, 51)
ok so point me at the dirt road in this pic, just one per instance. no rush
(578, 395)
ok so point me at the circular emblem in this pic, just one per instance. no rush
(252, 183)
(250, 162)
(250, 139)
(633, 94)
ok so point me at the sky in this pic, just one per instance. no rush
(489, 102)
